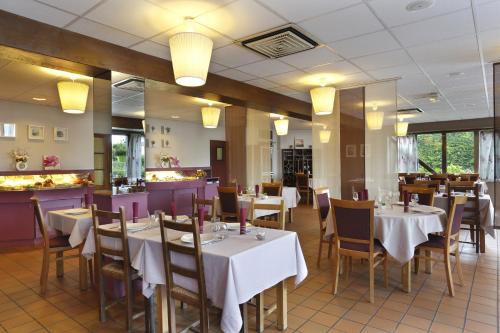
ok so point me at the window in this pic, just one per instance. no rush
(460, 152)
(429, 151)
(119, 153)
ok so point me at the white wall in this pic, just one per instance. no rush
(76, 153)
(287, 140)
(188, 141)
(258, 144)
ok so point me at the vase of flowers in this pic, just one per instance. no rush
(21, 158)
(167, 161)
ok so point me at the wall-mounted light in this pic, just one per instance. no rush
(281, 126)
(73, 96)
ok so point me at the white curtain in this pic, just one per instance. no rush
(407, 153)
(486, 155)
(134, 156)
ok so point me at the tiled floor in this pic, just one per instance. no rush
(312, 307)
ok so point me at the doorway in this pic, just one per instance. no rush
(218, 160)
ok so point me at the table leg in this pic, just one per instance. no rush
(290, 215)
(406, 276)
(161, 309)
(281, 293)
(482, 240)
(244, 317)
(150, 314)
(83, 269)
(428, 262)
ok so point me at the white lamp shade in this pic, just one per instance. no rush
(323, 99)
(190, 53)
(324, 136)
(374, 120)
(281, 126)
(210, 116)
(73, 96)
(401, 128)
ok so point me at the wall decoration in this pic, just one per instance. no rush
(51, 162)
(299, 143)
(21, 158)
(36, 132)
(350, 151)
(60, 134)
(7, 130)
(167, 161)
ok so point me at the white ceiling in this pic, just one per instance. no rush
(361, 41)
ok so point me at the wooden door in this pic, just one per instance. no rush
(102, 161)
(218, 160)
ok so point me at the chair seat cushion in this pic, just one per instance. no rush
(115, 269)
(59, 241)
(185, 295)
(377, 246)
(436, 241)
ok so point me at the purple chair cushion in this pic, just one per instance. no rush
(228, 202)
(424, 199)
(377, 246)
(323, 205)
(457, 219)
(59, 241)
(437, 242)
(353, 223)
(271, 190)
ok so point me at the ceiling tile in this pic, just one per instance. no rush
(236, 74)
(394, 13)
(298, 10)
(340, 67)
(381, 60)
(190, 8)
(487, 16)
(435, 29)
(377, 42)
(266, 68)
(154, 49)
(147, 19)
(289, 78)
(234, 56)
(76, 7)
(240, 19)
(214, 67)
(341, 24)
(103, 32)
(396, 71)
(318, 56)
(491, 45)
(354, 79)
(262, 83)
(37, 11)
(218, 39)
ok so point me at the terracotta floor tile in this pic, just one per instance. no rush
(383, 324)
(348, 326)
(325, 319)
(437, 327)
(312, 327)
(417, 322)
(402, 328)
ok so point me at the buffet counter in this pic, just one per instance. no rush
(106, 200)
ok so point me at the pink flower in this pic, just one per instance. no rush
(51, 161)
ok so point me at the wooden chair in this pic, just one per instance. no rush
(210, 214)
(425, 194)
(434, 184)
(410, 179)
(469, 176)
(446, 244)
(459, 183)
(272, 189)
(323, 202)
(442, 177)
(171, 245)
(229, 204)
(119, 268)
(353, 223)
(471, 216)
(55, 245)
(302, 184)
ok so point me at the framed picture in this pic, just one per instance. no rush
(299, 143)
(7, 130)
(36, 132)
(60, 134)
(51, 162)
(350, 151)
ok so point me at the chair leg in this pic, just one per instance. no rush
(59, 264)
(259, 322)
(128, 302)
(330, 247)
(386, 270)
(449, 278)
(91, 272)
(44, 275)
(428, 261)
(372, 280)
(172, 326)
(416, 260)
(482, 245)
(477, 229)
(459, 267)
(346, 268)
(336, 265)
(472, 235)
(320, 249)
(102, 296)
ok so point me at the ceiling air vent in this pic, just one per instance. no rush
(280, 43)
(410, 111)
(131, 83)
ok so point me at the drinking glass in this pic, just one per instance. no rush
(355, 196)
(414, 199)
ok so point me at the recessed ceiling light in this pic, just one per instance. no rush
(419, 5)
(39, 99)
(175, 117)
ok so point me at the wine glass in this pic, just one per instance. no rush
(414, 199)
(355, 196)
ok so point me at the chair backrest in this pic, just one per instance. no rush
(425, 194)
(228, 199)
(471, 210)
(41, 222)
(410, 179)
(434, 184)
(459, 183)
(172, 245)
(323, 203)
(272, 223)
(455, 217)
(197, 202)
(453, 177)
(119, 232)
(301, 180)
(353, 224)
(469, 176)
(273, 189)
(442, 177)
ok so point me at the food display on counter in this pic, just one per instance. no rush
(32, 182)
(175, 175)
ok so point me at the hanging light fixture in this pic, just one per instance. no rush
(210, 116)
(281, 126)
(401, 128)
(374, 120)
(323, 99)
(324, 135)
(190, 53)
(73, 96)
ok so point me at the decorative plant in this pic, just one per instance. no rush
(51, 161)
(20, 155)
(172, 161)
(200, 173)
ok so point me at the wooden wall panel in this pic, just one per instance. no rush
(352, 140)
(236, 150)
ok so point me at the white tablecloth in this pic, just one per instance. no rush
(291, 196)
(486, 211)
(244, 201)
(76, 226)
(236, 269)
(401, 232)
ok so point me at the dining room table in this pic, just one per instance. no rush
(400, 232)
(236, 266)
